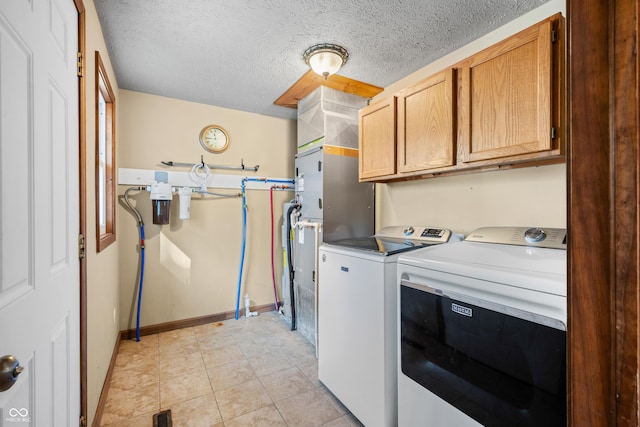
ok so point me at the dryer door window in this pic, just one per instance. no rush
(498, 369)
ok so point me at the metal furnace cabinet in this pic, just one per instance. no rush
(327, 188)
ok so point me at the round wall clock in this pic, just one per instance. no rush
(214, 138)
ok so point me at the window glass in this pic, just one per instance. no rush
(105, 158)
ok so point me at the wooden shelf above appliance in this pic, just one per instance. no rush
(310, 81)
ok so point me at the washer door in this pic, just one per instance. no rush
(499, 369)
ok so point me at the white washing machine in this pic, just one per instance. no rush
(482, 330)
(357, 318)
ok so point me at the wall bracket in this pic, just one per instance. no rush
(228, 167)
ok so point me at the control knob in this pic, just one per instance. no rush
(534, 235)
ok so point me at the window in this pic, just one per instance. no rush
(105, 158)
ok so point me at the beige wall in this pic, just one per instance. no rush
(102, 268)
(192, 266)
(519, 197)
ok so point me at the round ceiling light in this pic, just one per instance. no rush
(325, 59)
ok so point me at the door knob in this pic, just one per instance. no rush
(9, 370)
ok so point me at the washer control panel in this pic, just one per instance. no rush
(555, 238)
(416, 233)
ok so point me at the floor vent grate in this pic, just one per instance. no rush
(162, 419)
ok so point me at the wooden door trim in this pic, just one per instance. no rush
(603, 219)
(82, 154)
(625, 165)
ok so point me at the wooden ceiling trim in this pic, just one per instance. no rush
(310, 81)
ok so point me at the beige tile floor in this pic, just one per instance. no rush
(246, 372)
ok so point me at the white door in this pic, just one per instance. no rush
(39, 211)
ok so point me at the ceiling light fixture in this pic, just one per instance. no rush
(325, 58)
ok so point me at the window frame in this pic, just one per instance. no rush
(105, 232)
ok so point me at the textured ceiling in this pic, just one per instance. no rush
(243, 54)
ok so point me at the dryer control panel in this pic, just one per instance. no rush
(416, 233)
(554, 238)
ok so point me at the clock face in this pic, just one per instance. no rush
(214, 139)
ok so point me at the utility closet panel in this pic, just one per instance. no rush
(327, 188)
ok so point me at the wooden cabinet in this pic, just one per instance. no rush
(501, 107)
(411, 133)
(426, 137)
(377, 139)
(506, 102)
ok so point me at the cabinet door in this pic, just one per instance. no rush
(505, 97)
(426, 125)
(377, 139)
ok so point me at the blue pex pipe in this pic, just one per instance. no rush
(244, 244)
(141, 281)
(244, 227)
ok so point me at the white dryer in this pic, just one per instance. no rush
(482, 330)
